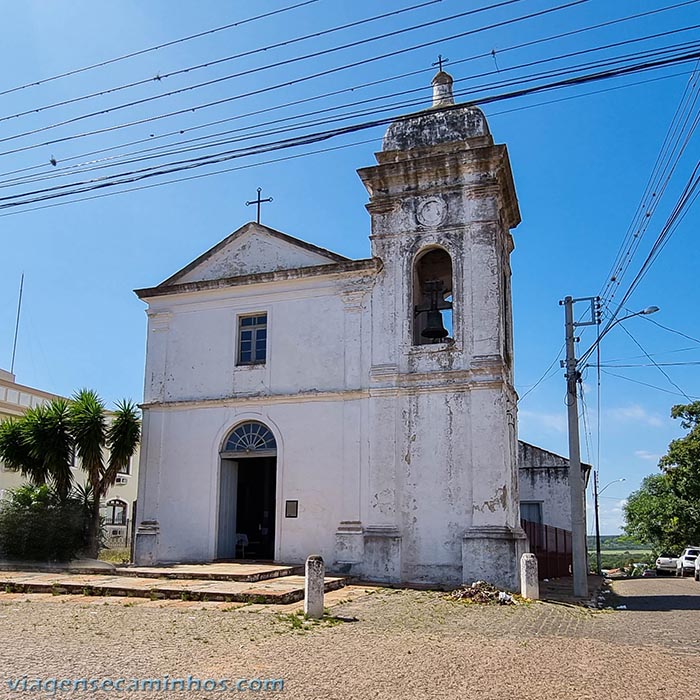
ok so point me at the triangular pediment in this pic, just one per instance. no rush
(252, 249)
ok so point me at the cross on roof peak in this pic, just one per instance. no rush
(258, 202)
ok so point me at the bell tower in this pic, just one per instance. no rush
(443, 505)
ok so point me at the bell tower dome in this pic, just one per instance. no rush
(442, 203)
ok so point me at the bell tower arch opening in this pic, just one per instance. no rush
(247, 493)
(432, 297)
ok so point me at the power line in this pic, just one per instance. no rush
(656, 364)
(142, 173)
(196, 177)
(208, 32)
(299, 155)
(112, 161)
(684, 203)
(652, 386)
(672, 330)
(109, 161)
(209, 64)
(337, 132)
(288, 83)
(257, 69)
(653, 361)
(662, 171)
(526, 44)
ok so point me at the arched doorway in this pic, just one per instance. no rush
(247, 486)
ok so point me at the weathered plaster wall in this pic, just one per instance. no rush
(253, 252)
(185, 443)
(544, 478)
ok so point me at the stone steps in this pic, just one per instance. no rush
(219, 571)
(280, 590)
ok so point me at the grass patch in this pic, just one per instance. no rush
(114, 556)
(299, 622)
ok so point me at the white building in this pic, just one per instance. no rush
(545, 492)
(299, 402)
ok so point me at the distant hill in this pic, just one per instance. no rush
(617, 543)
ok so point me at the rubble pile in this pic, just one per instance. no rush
(484, 593)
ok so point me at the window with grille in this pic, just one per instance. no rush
(252, 339)
(114, 512)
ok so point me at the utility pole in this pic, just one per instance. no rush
(598, 558)
(578, 514)
(596, 494)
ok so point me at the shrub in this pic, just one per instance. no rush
(37, 525)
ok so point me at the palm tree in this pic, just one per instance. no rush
(94, 435)
(39, 446)
(42, 444)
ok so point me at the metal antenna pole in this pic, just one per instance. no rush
(19, 309)
(578, 521)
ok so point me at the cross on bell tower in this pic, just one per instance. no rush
(258, 202)
(440, 61)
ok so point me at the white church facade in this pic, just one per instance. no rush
(298, 402)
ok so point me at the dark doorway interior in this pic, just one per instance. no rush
(255, 506)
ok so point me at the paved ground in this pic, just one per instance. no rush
(403, 645)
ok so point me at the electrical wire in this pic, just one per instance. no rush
(287, 83)
(377, 82)
(261, 49)
(56, 173)
(143, 173)
(672, 330)
(166, 44)
(272, 65)
(301, 155)
(656, 364)
(672, 148)
(652, 386)
(556, 85)
(653, 361)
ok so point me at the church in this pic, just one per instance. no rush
(299, 402)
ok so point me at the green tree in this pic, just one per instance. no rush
(94, 435)
(665, 511)
(41, 445)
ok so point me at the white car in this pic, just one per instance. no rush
(686, 562)
(697, 568)
(666, 565)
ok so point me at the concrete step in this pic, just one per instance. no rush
(217, 571)
(280, 590)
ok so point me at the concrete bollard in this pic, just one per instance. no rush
(529, 581)
(314, 587)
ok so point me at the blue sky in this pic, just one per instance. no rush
(580, 168)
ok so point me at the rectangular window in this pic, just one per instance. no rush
(252, 339)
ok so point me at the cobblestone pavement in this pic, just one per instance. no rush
(391, 644)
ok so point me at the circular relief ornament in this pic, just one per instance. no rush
(431, 211)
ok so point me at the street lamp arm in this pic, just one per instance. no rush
(616, 481)
(607, 329)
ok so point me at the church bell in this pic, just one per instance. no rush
(434, 329)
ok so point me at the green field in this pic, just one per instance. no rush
(616, 559)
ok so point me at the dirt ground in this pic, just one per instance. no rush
(388, 644)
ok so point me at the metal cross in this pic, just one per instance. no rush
(440, 61)
(258, 201)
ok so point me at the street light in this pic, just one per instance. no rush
(596, 494)
(643, 312)
(579, 550)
